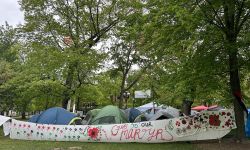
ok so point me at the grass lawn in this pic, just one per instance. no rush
(8, 144)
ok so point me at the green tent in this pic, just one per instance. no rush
(90, 115)
(109, 115)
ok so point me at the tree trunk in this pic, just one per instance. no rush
(66, 99)
(23, 115)
(231, 32)
(78, 104)
(186, 107)
(46, 103)
(68, 84)
(122, 90)
(121, 99)
(235, 88)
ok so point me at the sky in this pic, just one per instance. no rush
(10, 12)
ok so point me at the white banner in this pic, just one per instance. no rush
(143, 94)
(203, 126)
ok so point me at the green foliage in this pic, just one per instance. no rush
(46, 94)
(8, 38)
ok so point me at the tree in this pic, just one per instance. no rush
(125, 56)
(8, 56)
(230, 18)
(8, 38)
(45, 93)
(83, 23)
(200, 36)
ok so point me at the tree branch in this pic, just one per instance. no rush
(92, 19)
(96, 37)
(219, 21)
(213, 20)
(238, 16)
(245, 18)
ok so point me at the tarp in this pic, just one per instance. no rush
(109, 115)
(55, 115)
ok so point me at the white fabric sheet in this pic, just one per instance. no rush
(203, 126)
(3, 119)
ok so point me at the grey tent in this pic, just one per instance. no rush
(161, 114)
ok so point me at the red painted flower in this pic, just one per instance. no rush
(214, 120)
(228, 123)
(93, 133)
(177, 123)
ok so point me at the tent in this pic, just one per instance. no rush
(90, 115)
(132, 113)
(247, 126)
(109, 115)
(200, 108)
(151, 109)
(161, 114)
(140, 118)
(215, 108)
(55, 115)
(171, 110)
(147, 107)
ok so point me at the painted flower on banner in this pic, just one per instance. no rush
(177, 123)
(214, 120)
(93, 132)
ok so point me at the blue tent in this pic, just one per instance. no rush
(55, 115)
(247, 127)
(132, 113)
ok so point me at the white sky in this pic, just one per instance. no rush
(10, 12)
